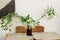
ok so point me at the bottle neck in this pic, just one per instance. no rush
(29, 27)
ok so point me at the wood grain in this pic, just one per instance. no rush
(21, 29)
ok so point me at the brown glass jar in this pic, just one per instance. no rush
(29, 31)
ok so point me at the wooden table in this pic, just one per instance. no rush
(47, 36)
(38, 36)
(18, 36)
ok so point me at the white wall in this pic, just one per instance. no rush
(35, 9)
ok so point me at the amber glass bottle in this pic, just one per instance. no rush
(29, 31)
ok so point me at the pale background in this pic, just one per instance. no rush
(35, 9)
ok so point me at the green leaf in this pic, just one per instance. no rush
(50, 12)
(8, 18)
(33, 20)
(5, 28)
(23, 19)
(10, 30)
(27, 17)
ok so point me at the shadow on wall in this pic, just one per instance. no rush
(10, 7)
